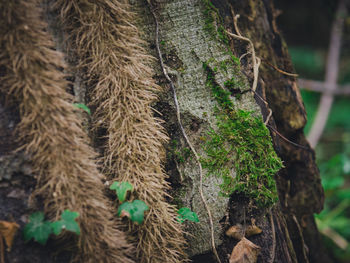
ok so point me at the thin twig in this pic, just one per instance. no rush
(267, 107)
(335, 237)
(273, 248)
(2, 250)
(273, 129)
(280, 70)
(287, 140)
(185, 135)
(332, 70)
(300, 231)
(255, 60)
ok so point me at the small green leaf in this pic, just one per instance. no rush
(186, 214)
(83, 107)
(134, 210)
(67, 222)
(125, 209)
(37, 228)
(140, 208)
(121, 189)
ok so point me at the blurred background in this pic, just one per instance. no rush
(313, 30)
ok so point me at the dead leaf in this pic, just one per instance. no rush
(236, 231)
(252, 230)
(245, 252)
(8, 231)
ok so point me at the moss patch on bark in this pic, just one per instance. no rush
(241, 141)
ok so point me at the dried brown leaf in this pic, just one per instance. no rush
(236, 231)
(252, 230)
(8, 231)
(245, 252)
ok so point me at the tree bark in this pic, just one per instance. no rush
(194, 45)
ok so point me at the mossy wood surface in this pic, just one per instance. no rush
(219, 114)
(299, 185)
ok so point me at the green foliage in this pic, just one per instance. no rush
(67, 222)
(83, 107)
(338, 117)
(311, 100)
(133, 210)
(334, 171)
(242, 141)
(37, 228)
(40, 229)
(121, 189)
(309, 61)
(186, 214)
(335, 217)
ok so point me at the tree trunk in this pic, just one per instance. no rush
(221, 159)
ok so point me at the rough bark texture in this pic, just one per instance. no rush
(300, 191)
(299, 186)
(186, 45)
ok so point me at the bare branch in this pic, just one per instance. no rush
(332, 69)
(320, 86)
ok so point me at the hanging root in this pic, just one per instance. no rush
(255, 60)
(110, 52)
(31, 77)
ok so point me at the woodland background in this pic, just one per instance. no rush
(306, 25)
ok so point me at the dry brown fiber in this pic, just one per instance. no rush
(111, 54)
(68, 177)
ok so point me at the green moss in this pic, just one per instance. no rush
(216, 30)
(230, 84)
(222, 35)
(214, 24)
(241, 141)
(180, 156)
(210, 13)
(223, 65)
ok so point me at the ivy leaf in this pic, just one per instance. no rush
(37, 228)
(133, 210)
(140, 208)
(67, 222)
(83, 107)
(125, 209)
(121, 189)
(186, 213)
